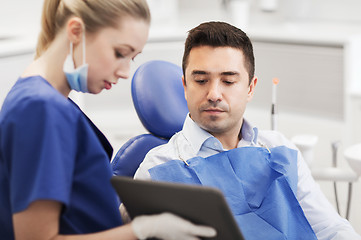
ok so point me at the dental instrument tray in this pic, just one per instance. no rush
(199, 204)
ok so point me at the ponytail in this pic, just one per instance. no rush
(96, 14)
(48, 26)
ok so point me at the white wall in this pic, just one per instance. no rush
(310, 10)
(23, 16)
(20, 16)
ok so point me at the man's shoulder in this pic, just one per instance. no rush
(159, 155)
(274, 139)
(166, 152)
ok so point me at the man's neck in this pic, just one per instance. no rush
(230, 139)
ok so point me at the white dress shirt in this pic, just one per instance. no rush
(193, 141)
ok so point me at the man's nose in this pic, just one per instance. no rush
(214, 92)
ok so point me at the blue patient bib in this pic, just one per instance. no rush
(259, 186)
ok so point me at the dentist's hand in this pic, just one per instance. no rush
(168, 226)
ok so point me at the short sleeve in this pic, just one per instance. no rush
(41, 152)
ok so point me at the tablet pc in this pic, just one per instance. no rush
(199, 204)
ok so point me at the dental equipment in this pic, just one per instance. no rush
(335, 146)
(306, 144)
(273, 108)
(336, 174)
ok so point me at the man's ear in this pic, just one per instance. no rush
(251, 88)
(74, 29)
(184, 86)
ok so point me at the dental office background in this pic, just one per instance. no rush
(312, 46)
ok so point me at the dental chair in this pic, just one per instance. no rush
(158, 98)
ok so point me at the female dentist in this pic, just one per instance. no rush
(54, 163)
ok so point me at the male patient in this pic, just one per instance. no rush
(263, 176)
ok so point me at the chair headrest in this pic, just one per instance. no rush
(158, 97)
(132, 153)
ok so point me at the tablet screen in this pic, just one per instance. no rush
(199, 204)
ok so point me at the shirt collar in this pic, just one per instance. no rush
(194, 134)
(249, 133)
(197, 136)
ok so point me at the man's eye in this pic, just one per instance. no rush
(228, 82)
(201, 81)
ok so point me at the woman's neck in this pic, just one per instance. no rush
(50, 66)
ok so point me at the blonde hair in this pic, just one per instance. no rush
(96, 14)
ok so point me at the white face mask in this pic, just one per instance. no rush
(77, 78)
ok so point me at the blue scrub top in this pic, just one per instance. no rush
(49, 150)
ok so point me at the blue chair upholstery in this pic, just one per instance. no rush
(132, 153)
(158, 99)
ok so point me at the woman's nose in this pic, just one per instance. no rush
(123, 70)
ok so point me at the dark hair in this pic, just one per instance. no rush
(220, 34)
